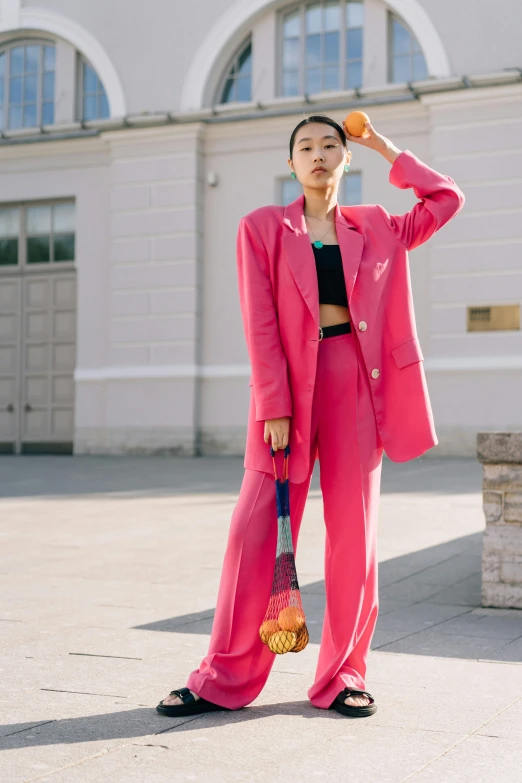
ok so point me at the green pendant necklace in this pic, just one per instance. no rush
(317, 242)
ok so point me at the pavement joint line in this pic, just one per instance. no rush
(8, 620)
(426, 568)
(434, 595)
(421, 630)
(173, 728)
(511, 641)
(29, 728)
(445, 657)
(467, 736)
(149, 745)
(104, 752)
(501, 663)
(180, 625)
(100, 655)
(85, 693)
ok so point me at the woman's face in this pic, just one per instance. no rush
(318, 156)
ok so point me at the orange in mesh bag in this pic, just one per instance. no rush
(284, 626)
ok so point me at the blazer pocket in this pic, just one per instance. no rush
(407, 353)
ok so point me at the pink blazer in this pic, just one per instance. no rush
(279, 302)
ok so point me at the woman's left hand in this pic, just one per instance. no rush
(375, 141)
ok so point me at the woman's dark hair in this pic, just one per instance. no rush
(317, 118)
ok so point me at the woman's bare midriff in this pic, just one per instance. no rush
(330, 314)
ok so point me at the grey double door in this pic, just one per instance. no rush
(37, 360)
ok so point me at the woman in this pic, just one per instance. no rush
(337, 374)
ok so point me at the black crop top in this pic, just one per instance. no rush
(330, 275)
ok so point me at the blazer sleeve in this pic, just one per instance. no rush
(440, 200)
(269, 366)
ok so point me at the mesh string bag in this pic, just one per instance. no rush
(284, 625)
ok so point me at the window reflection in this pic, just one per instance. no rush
(322, 47)
(95, 105)
(27, 83)
(238, 84)
(407, 62)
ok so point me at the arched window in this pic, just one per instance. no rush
(27, 85)
(238, 82)
(94, 103)
(322, 47)
(407, 62)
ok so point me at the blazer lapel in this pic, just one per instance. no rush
(351, 244)
(300, 256)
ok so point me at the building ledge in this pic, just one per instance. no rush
(278, 106)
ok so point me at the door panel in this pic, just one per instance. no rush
(49, 358)
(10, 340)
(64, 357)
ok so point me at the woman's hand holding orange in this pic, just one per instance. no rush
(277, 430)
(375, 141)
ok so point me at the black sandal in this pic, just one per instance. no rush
(190, 706)
(350, 709)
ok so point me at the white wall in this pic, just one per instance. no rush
(146, 385)
(475, 137)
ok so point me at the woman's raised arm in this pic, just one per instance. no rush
(440, 200)
(440, 197)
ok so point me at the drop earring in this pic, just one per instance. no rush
(347, 167)
(293, 174)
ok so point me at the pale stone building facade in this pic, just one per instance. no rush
(134, 139)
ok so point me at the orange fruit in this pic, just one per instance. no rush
(268, 628)
(354, 123)
(302, 640)
(291, 618)
(282, 642)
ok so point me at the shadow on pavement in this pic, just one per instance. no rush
(430, 604)
(138, 722)
(139, 476)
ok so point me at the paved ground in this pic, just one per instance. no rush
(108, 578)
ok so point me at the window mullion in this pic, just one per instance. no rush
(51, 238)
(39, 87)
(22, 250)
(342, 45)
(389, 47)
(7, 88)
(81, 88)
(323, 47)
(302, 33)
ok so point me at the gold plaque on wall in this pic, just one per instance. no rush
(493, 318)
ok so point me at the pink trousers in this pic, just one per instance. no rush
(349, 450)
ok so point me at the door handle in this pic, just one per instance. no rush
(27, 407)
(10, 408)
